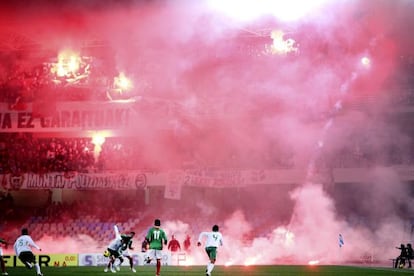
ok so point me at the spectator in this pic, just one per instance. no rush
(174, 245)
(187, 243)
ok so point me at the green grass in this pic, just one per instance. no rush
(285, 270)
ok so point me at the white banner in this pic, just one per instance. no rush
(75, 181)
(234, 178)
(173, 181)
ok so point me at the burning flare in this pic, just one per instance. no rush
(68, 63)
(280, 46)
(122, 83)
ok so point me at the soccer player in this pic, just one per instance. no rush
(3, 265)
(156, 238)
(402, 257)
(410, 254)
(126, 245)
(114, 251)
(23, 249)
(214, 240)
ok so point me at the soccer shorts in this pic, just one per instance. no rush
(27, 258)
(114, 253)
(155, 254)
(1, 251)
(211, 252)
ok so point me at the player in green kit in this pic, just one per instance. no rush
(126, 246)
(157, 239)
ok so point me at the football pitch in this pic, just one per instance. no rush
(284, 270)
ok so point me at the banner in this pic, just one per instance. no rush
(97, 259)
(173, 180)
(69, 116)
(236, 178)
(75, 181)
(173, 189)
(57, 260)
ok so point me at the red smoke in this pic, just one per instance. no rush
(237, 101)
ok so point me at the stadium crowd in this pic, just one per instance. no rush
(93, 78)
(24, 152)
(22, 83)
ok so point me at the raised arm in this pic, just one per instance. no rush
(116, 230)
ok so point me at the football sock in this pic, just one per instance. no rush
(131, 261)
(158, 266)
(210, 267)
(111, 263)
(3, 267)
(37, 268)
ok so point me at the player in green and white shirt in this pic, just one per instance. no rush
(214, 240)
(124, 250)
(157, 239)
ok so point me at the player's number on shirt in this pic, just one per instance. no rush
(156, 235)
(22, 243)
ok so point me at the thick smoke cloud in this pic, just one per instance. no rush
(249, 102)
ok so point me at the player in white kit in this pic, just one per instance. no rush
(214, 240)
(23, 249)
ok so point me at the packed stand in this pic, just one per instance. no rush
(24, 152)
(21, 153)
(22, 82)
